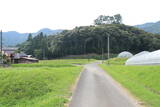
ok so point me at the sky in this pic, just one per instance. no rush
(31, 15)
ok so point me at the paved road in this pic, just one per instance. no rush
(95, 88)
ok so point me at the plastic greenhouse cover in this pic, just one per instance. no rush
(149, 58)
(125, 54)
(141, 53)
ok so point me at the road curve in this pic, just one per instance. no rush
(96, 88)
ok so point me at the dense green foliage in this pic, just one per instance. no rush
(91, 39)
(102, 19)
(44, 84)
(37, 46)
(141, 81)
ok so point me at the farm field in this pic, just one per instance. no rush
(43, 84)
(141, 81)
(56, 63)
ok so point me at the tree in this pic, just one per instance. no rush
(29, 45)
(99, 20)
(117, 19)
(102, 19)
(29, 37)
(38, 53)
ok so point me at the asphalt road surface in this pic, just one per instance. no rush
(96, 88)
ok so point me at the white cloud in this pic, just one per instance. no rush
(32, 15)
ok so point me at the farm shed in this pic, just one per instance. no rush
(26, 60)
(23, 58)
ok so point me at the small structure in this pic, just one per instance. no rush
(23, 58)
(9, 51)
(149, 58)
(17, 57)
(125, 54)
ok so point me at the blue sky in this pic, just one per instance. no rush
(32, 15)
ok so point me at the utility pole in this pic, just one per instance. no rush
(43, 50)
(102, 55)
(85, 50)
(1, 47)
(108, 50)
(102, 44)
(43, 54)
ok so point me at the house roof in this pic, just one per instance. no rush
(33, 59)
(19, 55)
(9, 50)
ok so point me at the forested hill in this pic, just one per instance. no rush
(92, 39)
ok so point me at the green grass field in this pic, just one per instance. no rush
(43, 84)
(141, 81)
(56, 63)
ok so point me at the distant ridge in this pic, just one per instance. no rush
(47, 31)
(12, 38)
(150, 27)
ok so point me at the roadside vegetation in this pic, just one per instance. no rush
(116, 61)
(141, 81)
(44, 84)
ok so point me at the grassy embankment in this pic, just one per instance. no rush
(141, 81)
(43, 84)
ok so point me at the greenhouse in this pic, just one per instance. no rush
(147, 58)
(125, 54)
(141, 53)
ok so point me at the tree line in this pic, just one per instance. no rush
(102, 19)
(91, 39)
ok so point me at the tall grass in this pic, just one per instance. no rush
(116, 61)
(44, 84)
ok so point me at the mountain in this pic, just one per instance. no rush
(47, 31)
(13, 38)
(150, 27)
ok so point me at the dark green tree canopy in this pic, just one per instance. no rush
(29, 37)
(91, 39)
(102, 19)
